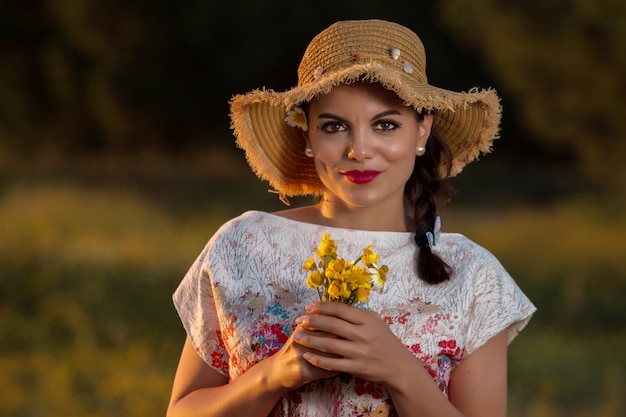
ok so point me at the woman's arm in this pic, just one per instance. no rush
(199, 390)
(367, 349)
(202, 391)
(477, 386)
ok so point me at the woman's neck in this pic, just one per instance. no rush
(379, 218)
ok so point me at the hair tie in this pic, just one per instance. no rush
(432, 238)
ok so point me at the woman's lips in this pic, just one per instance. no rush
(361, 177)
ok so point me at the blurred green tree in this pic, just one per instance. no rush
(119, 75)
(563, 64)
(84, 75)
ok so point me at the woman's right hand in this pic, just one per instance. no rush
(201, 390)
(289, 370)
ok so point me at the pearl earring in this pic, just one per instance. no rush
(421, 150)
(308, 152)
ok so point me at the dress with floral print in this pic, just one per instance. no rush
(239, 300)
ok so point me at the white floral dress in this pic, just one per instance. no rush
(239, 300)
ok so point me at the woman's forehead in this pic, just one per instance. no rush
(356, 93)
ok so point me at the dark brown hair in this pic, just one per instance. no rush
(425, 189)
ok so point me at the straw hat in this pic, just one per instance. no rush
(345, 52)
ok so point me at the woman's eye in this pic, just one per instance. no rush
(386, 125)
(333, 127)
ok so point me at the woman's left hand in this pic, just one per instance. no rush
(365, 346)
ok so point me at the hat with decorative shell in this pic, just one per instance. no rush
(267, 123)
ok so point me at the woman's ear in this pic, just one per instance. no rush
(424, 128)
(307, 144)
(304, 136)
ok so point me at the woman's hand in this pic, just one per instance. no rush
(201, 390)
(289, 368)
(364, 346)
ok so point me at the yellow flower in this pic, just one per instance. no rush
(360, 275)
(380, 274)
(362, 293)
(369, 257)
(309, 265)
(314, 280)
(327, 246)
(297, 118)
(337, 289)
(336, 279)
(334, 268)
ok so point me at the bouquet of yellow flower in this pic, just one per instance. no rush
(336, 279)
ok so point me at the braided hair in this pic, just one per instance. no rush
(424, 189)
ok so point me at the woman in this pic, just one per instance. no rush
(365, 132)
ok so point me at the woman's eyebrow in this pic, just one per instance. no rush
(330, 116)
(377, 116)
(389, 112)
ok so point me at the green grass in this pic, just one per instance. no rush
(86, 278)
(88, 264)
(569, 259)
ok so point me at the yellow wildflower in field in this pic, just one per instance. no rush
(336, 279)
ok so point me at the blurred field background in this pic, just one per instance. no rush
(117, 165)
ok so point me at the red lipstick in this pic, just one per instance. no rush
(361, 177)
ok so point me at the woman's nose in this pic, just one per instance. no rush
(361, 147)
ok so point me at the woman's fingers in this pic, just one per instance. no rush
(321, 348)
(362, 344)
(345, 312)
(339, 319)
(291, 367)
(333, 364)
(317, 340)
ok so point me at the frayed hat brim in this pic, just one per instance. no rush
(467, 121)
